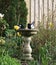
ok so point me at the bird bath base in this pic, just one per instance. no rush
(26, 35)
(27, 50)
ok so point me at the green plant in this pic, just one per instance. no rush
(7, 60)
(9, 33)
(33, 62)
(12, 48)
(23, 13)
(44, 55)
(12, 45)
(2, 40)
(3, 25)
(15, 12)
(44, 37)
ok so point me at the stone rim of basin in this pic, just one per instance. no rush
(27, 32)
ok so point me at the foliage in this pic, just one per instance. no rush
(11, 44)
(14, 47)
(3, 25)
(44, 54)
(9, 33)
(46, 41)
(8, 7)
(7, 60)
(23, 13)
(2, 40)
(33, 62)
(15, 11)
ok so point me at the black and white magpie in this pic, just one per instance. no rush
(31, 25)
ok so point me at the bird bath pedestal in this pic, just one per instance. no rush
(27, 34)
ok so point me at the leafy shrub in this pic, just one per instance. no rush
(33, 62)
(3, 25)
(7, 60)
(2, 43)
(2, 40)
(15, 12)
(23, 13)
(12, 46)
(48, 38)
(9, 33)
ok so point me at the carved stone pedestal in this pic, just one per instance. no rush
(27, 50)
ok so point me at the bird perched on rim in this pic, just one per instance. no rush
(31, 25)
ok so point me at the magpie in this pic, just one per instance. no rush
(31, 25)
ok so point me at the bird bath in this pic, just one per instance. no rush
(27, 35)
